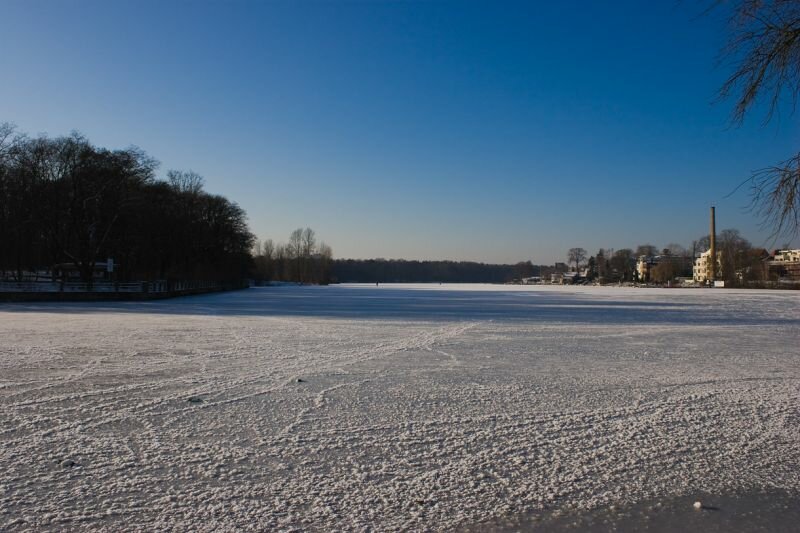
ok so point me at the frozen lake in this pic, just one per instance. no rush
(393, 407)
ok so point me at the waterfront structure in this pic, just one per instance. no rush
(784, 264)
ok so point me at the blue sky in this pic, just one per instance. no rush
(487, 131)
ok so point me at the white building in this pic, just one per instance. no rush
(701, 272)
(786, 256)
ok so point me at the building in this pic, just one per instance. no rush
(701, 273)
(568, 278)
(784, 264)
(644, 265)
(564, 278)
(786, 256)
(679, 265)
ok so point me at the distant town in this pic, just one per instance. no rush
(737, 264)
(755, 268)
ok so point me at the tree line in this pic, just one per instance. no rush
(403, 271)
(301, 260)
(65, 201)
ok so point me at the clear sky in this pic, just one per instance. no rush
(487, 131)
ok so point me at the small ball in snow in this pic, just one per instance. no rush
(698, 505)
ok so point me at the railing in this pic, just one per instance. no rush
(161, 286)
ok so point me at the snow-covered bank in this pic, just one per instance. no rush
(419, 407)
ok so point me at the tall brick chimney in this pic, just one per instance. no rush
(713, 247)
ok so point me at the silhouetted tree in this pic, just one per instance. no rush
(765, 48)
(622, 263)
(576, 256)
(186, 181)
(601, 265)
(591, 266)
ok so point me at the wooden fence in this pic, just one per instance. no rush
(139, 290)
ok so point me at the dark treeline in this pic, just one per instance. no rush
(64, 201)
(402, 271)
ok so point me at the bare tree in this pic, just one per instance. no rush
(8, 138)
(323, 264)
(264, 259)
(281, 257)
(295, 252)
(676, 250)
(576, 256)
(309, 242)
(185, 181)
(765, 47)
(775, 196)
(268, 249)
(308, 248)
(681, 258)
(664, 271)
(646, 249)
(735, 251)
(301, 259)
(268, 259)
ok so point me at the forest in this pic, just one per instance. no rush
(66, 204)
(402, 271)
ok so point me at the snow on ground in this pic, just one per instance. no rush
(420, 407)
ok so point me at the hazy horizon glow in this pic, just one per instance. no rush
(464, 131)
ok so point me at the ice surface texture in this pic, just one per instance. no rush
(391, 407)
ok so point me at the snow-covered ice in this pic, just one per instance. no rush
(393, 407)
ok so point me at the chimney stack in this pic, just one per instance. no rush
(713, 247)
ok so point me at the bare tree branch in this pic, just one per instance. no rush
(775, 196)
(765, 46)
